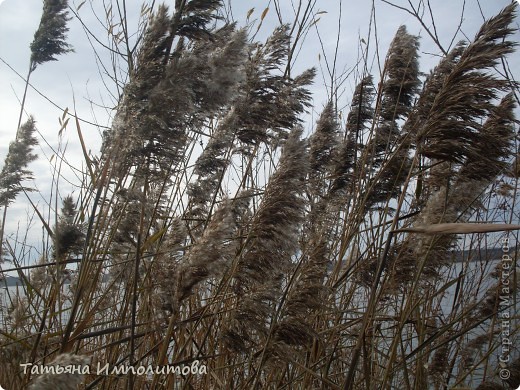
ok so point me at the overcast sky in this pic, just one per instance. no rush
(75, 77)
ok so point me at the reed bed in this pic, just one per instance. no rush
(212, 233)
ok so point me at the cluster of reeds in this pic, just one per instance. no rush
(211, 232)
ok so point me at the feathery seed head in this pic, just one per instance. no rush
(65, 381)
(15, 171)
(49, 39)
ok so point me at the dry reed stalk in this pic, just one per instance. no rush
(459, 228)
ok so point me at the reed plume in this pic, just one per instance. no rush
(323, 140)
(389, 146)
(272, 240)
(68, 235)
(273, 237)
(464, 167)
(195, 15)
(272, 102)
(489, 156)
(15, 171)
(467, 93)
(401, 72)
(212, 255)
(211, 165)
(163, 101)
(66, 381)
(306, 297)
(49, 39)
(359, 117)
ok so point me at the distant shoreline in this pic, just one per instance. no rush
(490, 254)
(10, 281)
